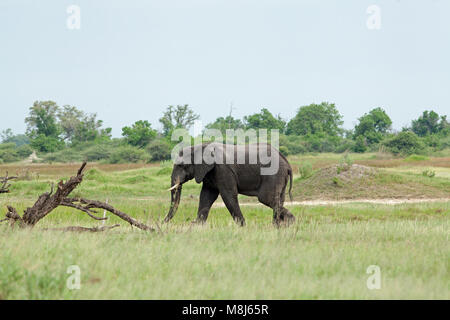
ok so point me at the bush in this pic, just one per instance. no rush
(126, 154)
(284, 150)
(294, 144)
(416, 157)
(406, 142)
(346, 145)
(360, 145)
(305, 170)
(43, 143)
(97, 152)
(24, 151)
(321, 143)
(159, 151)
(164, 171)
(344, 163)
(66, 155)
(8, 152)
(428, 173)
(337, 182)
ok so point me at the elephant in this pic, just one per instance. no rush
(232, 176)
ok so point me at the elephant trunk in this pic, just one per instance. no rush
(174, 200)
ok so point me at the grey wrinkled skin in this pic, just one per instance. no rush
(231, 179)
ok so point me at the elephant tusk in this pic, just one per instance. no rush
(174, 187)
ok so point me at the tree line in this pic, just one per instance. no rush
(67, 134)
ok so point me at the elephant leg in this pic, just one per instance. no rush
(286, 216)
(207, 198)
(269, 200)
(232, 204)
(275, 200)
(277, 212)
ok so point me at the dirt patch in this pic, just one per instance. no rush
(345, 173)
(341, 182)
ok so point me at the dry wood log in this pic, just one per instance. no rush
(84, 229)
(4, 183)
(48, 201)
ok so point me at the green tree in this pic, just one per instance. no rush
(6, 135)
(405, 142)
(42, 126)
(139, 134)
(69, 120)
(430, 123)
(315, 119)
(159, 150)
(90, 129)
(373, 126)
(79, 127)
(264, 120)
(179, 117)
(223, 124)
(46, 144)
(19, 139)
(42, 120)
(360, 145)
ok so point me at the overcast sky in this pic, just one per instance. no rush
(131, 59)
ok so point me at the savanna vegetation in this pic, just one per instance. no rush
(68, 134)
(345, 184)
(324, 255)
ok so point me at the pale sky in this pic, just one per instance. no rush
(131, 59)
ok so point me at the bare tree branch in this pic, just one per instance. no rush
(94, 204)
(4, 185)
(83, 229)
(48, 201)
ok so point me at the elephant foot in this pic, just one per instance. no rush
(284, 220)
(199, 221)
(240, 222)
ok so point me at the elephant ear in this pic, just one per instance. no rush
(203, 166)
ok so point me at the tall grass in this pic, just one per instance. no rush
(325, 255)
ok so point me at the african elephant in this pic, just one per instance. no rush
(231, 176)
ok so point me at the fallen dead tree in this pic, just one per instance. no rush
(49, 201)
(4, 183)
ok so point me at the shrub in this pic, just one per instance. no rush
(8, 153)
(43, 143)
(66, 155)
(344, 163)
(294, 144)
(305, 170)
(337, 182)
(406, 142)
(164, 171)
(159, 151)
(126, 154)
(97, 152)
(360, 145)
(416, 157)
(428, 173)
(346, 145)
(284, 150)
(24, 151)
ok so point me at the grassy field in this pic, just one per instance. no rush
(325, 255)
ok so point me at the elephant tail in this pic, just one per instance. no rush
(290, 183)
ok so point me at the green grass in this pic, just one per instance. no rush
(416, 157)
(323, 256)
